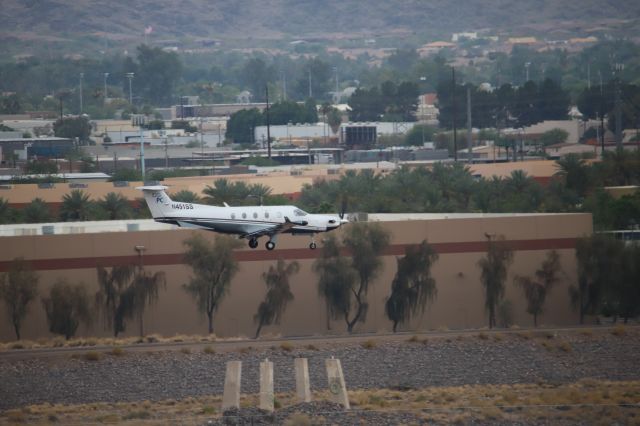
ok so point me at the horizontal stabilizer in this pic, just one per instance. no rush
(152, 188)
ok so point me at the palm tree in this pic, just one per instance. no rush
(575, 173)
(116, 206)
(278, 294)
(224, 191)
(186, 196)
(37, 211)
(5, 211)
(76, 206)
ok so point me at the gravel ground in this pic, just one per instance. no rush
(153, 376)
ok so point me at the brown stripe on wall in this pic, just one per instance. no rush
(287, 254)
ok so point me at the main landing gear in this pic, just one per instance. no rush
(253, 243)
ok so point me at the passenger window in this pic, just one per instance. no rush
(233, 215)
(266, 215)
(244, 215)
(255, 215)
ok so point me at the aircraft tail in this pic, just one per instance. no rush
(157, 200)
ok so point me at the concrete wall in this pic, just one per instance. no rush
(460, 302)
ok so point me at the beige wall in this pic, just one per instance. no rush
(459, 304)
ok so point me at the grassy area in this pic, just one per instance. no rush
(587, 401)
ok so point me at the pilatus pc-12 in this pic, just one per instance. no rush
(249, 222)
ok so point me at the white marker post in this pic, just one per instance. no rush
(231, 395)
(266, 386)
(303, 389)
(337, 387)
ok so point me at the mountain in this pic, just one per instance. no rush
(71, 25)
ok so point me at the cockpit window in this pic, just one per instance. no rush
(299, 212)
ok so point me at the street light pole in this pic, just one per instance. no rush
(81, 78)
(130, 77)
(106, 95)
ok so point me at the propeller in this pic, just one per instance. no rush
(343, 207)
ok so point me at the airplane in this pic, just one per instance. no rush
(249, 222)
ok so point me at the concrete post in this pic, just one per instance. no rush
(303, 389)
(231, 395)
(266, 385)
(337, 387)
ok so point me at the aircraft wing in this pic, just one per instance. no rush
(274, 229)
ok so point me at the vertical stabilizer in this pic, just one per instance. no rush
(157, 199)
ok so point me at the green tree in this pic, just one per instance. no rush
(213, 268)
(157, 75)
(536, 289)
(76, 206)
(18, 287)
(145, 289)
(116, 206)
(336, 279)
(242, 124)
(413, 287)
(366, 243)
(596, 261)
(115, 297)
(37, 211)
(629, 284)
(66, 307)
(552, 137)
(575, 173)
(186, 196)
(128, 175)
(420, 134)
(72, 128)
(255, 75)
(6, 212)
(278, 294)
(493, 273)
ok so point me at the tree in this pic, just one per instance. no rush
(213, 267)
(66, 307)
(596, 261)
(6, 212)
(186, 196)
(255, 75)
(37, 211)
(575, 173)
(536, 289)
(145, 289)
(115, 297)
(242, 124)
(116, 206)
(76, 206)
(278, 294)
(72, 128)
(18, 287)
(365, 242)
(413, 286)
(336, 279)
(553, 136)
(158, 73)
(493, 273)
(419, 134)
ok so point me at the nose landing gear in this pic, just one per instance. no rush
(312, 244)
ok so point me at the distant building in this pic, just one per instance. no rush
(464, 36)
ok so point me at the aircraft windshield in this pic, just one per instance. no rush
(299, 212)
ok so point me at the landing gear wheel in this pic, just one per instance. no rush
(313, 245)
(270, 245)
(253, 243)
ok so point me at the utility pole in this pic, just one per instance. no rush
(130, 77)
(81, 78)
(469, 139)
(455, 131)
(618, 106)
(601, 116)
(106, 74)
(268, 128)
(310, 91)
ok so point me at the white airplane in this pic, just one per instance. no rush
(250, 222)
